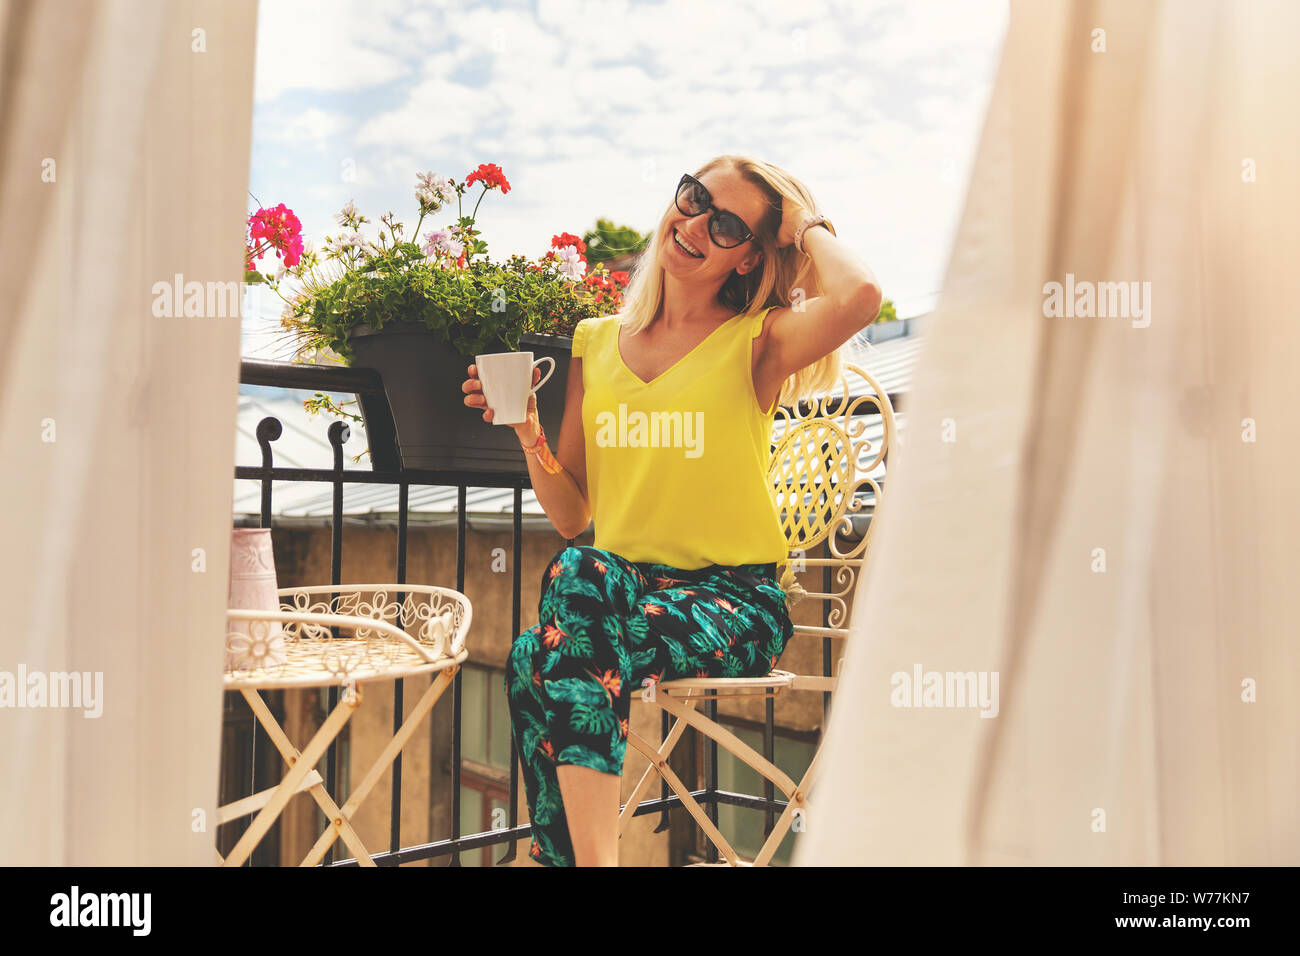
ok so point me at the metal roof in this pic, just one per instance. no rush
(303, 444)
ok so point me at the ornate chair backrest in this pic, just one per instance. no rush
(825, 467)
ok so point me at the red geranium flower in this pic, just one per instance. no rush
(568, 239)
(490, 175)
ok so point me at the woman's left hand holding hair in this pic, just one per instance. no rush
(792, 215)
(848, 302)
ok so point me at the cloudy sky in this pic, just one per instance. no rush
(597, 108)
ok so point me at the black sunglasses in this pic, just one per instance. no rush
(726, 229)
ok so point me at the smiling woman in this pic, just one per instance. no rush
(739, 302)
(726, 246)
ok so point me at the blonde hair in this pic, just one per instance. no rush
(783, 273)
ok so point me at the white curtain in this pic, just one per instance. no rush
(124, 147)
(1101, 510)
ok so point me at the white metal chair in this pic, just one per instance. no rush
(825, 468)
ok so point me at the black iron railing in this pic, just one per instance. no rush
(368, 387)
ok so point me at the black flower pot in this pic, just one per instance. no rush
(436, 431)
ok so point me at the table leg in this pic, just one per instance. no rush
(299, 766)
(341, 819)
(316, 788)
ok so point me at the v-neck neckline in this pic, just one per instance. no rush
(618, 351)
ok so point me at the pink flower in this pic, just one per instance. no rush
(443, 243)
(275, 228)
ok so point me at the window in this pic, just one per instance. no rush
(742, 826)
(485, 758)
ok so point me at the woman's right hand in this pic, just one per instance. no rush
(527, 430)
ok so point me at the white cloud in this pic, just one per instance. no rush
(876, 105)
(332, 45)
(312, 126)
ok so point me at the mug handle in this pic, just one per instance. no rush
(549, 372)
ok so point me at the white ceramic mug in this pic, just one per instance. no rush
(507, 379)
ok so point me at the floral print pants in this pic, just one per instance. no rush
(606, 625)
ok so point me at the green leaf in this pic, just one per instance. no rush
(586, 757)
(641, 660)
(592, 720)
(549, 804)
(577, 690)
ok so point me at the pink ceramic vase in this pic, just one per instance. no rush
(253, 644)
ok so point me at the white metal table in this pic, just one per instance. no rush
(341, 635)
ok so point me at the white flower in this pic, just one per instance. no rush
(348, 215)
(572, 265)
(353, 240)
(434, 190)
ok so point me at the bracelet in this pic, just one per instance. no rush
(541, 437)
(542, 451)
(815, 220)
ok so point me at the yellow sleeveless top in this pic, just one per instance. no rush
(677, 466)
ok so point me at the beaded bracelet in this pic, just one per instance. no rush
(542, 451)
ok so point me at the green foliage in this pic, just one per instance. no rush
(320, 402)
(608, 241)
(470, 308)
(451, 286)
(887, 312)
